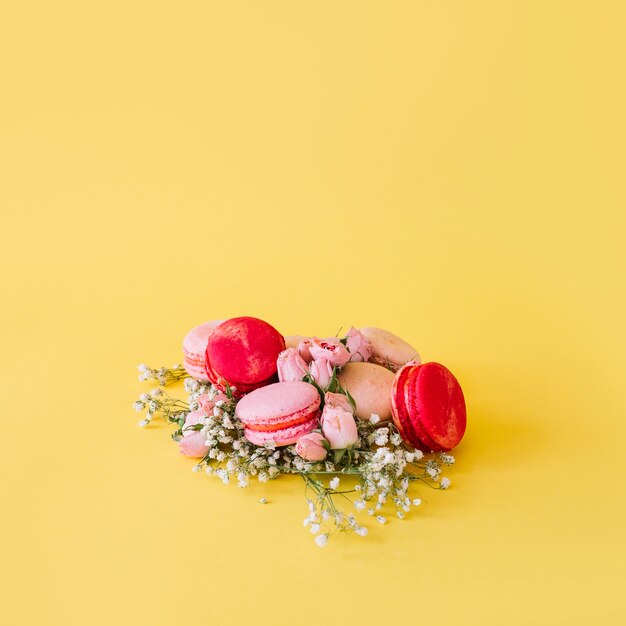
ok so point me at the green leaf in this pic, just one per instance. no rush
(339, 455)
(333, 385)
(319, 390)
(350, 399)
(229, 392)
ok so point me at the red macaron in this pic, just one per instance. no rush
(428, 406)
(242, 352)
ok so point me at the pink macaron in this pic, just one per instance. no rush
(280, 412)
(194, 348)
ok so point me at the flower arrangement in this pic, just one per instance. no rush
(307, 418)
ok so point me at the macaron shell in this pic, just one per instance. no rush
(194, 346)
(278, 403)
(239, 389)
(196, 339)
(398, 406)
(388, 349)
(370, 385)
(196, 371)
(243, 351)
(425, 442)
(292, 341)
(436, 404)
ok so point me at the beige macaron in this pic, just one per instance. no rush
(370, 386)
(388, 349)
(292, 341)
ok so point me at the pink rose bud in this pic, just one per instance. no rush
(193, 442)
(358, 345)
(206, 403)
(337, 401)
(339, 428)
(291, 366)
(304, 349)
(322, 371)
(331, 349)
(311, 447)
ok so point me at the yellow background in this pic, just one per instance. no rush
(452, 171)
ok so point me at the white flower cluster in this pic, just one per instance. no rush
(194, 389)
(158, 404)
(162, 375)
(378, 471)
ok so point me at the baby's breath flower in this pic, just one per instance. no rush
(396, 440)
(384, 469)
(243, 479)
(273, 472)
(381, 437)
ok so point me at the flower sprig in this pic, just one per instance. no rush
(378, 472)
(159, 405)
(163, 375)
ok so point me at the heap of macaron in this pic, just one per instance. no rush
(300, 390)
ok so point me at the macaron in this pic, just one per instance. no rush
(428, 406)
(242, 352)
(388, 349)
(194, 347)
(280, 412)
(370, 386)
(292, 341)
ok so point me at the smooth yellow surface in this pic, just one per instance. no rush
(451, 171)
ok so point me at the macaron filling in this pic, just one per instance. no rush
(283, 437)
(403, 418)
(272, 424)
